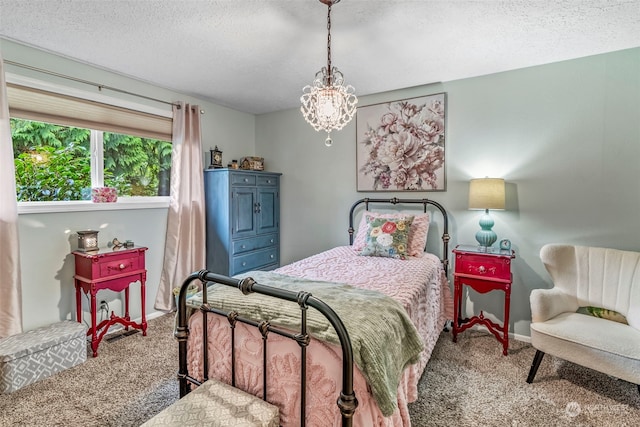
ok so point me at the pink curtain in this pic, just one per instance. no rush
(10, 281)
(184, 250)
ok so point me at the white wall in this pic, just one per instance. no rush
(564, 136)
(47, 239)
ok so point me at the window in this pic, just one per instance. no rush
(62, 163)
(64, 145)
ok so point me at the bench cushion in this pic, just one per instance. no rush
(218, 404)
(33, 355)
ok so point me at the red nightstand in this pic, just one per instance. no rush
(482, 270)
(114, 270)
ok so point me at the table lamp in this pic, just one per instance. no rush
(486, 193)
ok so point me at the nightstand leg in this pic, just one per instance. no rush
(126, 307)
(457, 303)
(143, 292)
(78, 302)
(94, 332)
(505, 331)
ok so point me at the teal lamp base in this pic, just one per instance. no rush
(486, 236)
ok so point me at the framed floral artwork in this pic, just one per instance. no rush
(401, 145)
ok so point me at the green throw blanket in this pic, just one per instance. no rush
(383, 338)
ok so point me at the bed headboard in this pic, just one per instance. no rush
(395, 201)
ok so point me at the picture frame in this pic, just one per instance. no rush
(400, 145)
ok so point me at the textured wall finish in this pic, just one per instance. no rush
(255, 56)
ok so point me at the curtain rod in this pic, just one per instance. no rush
(98, 85)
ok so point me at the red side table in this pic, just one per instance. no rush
(113, 269)
(483, 270)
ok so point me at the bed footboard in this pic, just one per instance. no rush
(346, 401)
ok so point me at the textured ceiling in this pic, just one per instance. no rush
(256, 55)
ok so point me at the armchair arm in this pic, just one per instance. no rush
(548, 303)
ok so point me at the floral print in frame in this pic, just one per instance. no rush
(401, 145)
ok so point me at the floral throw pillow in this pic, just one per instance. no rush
(387, 237)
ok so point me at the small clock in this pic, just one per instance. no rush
(505, 244)
(216, 158)
(88, 240)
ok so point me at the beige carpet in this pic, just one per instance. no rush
(466, 384)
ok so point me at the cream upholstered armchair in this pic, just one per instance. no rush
(595, 277)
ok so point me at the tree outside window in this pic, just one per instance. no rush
(53, 162)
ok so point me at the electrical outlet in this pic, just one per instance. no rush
(104, 306)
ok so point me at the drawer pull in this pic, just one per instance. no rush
(482, 269)
(246, 180)
(243, 247)
(271, 240)
(272, 256)
(244, 264)
(268, 181)
(119, 267)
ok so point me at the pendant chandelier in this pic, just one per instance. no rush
(327, 103)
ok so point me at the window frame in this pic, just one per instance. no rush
(123, 203)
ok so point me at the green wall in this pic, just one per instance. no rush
(564, 136)
(47, 239)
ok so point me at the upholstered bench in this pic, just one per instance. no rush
(219, 405)
(37, 354)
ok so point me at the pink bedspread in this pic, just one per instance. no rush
(419, 284)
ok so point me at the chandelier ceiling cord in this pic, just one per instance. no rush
(327, 103)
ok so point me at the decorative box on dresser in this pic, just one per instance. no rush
(243, 220)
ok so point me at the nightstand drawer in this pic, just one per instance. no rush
(119, 266)
(484, 266)
(254, 260)
(246, 245)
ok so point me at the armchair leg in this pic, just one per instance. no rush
(536, 363)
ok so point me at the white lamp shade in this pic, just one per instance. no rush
(486, 193)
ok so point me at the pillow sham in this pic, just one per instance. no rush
(417, 233)
(387, 237)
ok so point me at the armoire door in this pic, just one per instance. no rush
(268, 213)
(244, 205)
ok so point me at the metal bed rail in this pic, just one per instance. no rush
(346, 402)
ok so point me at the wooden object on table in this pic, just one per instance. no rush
(114, 270)
(483, 270)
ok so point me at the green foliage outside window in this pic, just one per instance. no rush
(53, 162)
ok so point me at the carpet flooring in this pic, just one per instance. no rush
(469, 383)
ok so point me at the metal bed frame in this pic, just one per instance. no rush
(347, 401)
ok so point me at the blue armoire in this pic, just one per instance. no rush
(243, 220)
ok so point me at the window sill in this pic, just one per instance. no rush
(123, 203)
